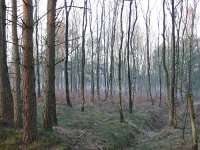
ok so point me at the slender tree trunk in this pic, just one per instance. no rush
(29, 96)
(159, 67)
(66, 53)
(98, 59)
(147, 22)
(37, 49)
(173, 78)
(133, 50)
(98, 53)
(165, 66)
(17, 99)
(120, 65)
(112, 47)
(92, 58)
(104, 49)
(128, 62)
(84, 26)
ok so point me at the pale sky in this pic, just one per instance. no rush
(155, 7)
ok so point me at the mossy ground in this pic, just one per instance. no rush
(100, 128)
(11, 139)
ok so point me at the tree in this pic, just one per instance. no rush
(49, 114)
(92, 56)
(6, 99)
(165, 66)
(17, 99)
(99, 35)
(147, 23)
(37, 49)
(84, 26)
(159, 66)
(114, 20)
(190, 97)
(128, 62)
(173, 108)
(29, 96)
(67, 11)
(133, 50)
(120, 65)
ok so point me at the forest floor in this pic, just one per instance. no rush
(98, 127)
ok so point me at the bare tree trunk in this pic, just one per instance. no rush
(66, 53)
(84, 26)
(29, 96)
(173, 108)
(159, 66)
(128, 62)
(17, 99)
(120, 65)
(115, 12)
(165, 66)
(133, 51)
(104, 49)
(6, 99)
(37, 49)
(190, 97)
(98, 53)
(178, 54)
(92, 58)
(147, 23)
(49, 114)
(98, 58)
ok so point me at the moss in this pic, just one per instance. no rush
(11, 139)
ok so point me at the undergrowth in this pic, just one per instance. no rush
(105, 124)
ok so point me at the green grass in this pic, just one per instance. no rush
(105, 124)
(11, 139)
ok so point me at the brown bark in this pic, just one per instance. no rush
(29, 96)
(6, 100)
(49, 114)
(16, 70)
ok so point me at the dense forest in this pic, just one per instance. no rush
(99, 74)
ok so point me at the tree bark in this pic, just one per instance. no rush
(128, 62)
(49, 114)
(6, 99)
(66, 53)
(84, 26)
(17, 99)
(190, 97)
(165, 66)
(29, 96)
(37, 50)
(92, 58)
(120, 65)
(173, 69)
(147, 23)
